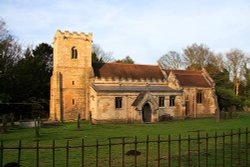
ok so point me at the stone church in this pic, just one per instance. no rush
(122, 93)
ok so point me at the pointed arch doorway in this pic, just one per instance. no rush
(146, 113)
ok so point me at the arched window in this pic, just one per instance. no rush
(73, 53)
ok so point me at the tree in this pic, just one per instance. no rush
(196, 56)
(171, 60)
(226, 98)
(43, 53)
(127, 60)
(215, 66)
(247, 80)
(99, 55)
(31, 78)
(10, 51)
(235, 59)
(246, 83)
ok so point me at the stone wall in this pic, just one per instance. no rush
(104, 111)
(70, 80)
(72, 93)
(190, 107)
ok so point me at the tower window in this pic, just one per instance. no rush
(199, 96)
(172, 101)
(73, 53)
(73, 101)
(161, 101)
(118, 102)
(73, 82)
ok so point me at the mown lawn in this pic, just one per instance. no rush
(102, 132)
(91, 133)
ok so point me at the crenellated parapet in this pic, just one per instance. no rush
(67, 35)
(127, 81)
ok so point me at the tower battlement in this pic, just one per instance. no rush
(70, 78)
(67, 34)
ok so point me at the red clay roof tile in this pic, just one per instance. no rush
(190, 78)
(121, 70)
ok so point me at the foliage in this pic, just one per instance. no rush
(231, 75)
(10, 52)
(24, 76)
(235, 60)
(99, 55)
(171, 60)
(227, 99)
(196, 56)
(127, 60)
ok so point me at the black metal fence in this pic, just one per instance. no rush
(199, 149)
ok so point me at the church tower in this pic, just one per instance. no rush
(70, 80)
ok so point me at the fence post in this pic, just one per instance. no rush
(67, 154)
(78, 121)
(37, 152)
(247, 146)
(231, 147)
(207, 149)
(147, 149)
(215, 149)
(123, 151)
(97, 149)
(37, 127)
(223, 149)
(179, 151)
(198, 151)
(239, 133)
(135, 160)
(189, 141)
(158, 151)
(1, 154)
(19, 152)
(5, 124)
(82, 152)
(110, 163)
(53, 152)
(169, 150)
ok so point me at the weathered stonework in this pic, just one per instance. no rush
(70, 80)
(78, 86)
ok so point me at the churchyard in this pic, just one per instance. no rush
(184, 142)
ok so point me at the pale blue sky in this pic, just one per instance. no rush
(143, 29)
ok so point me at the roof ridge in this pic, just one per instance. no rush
(126, 64)
(186, 70)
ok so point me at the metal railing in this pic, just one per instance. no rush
(199, 149)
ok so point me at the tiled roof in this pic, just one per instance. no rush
(191, 78)
(134, 89)
(121, 70)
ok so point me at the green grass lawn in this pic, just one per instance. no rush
(90, 133)
(102, 132)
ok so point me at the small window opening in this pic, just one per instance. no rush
(73, 53)
(118, 102)
(172, 101)
(161, 101)
(199, 97)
